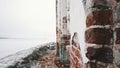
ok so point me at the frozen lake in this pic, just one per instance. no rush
(11, 46)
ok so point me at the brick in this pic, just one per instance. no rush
(73, 60)
(77, 53)
(117, 35)
(104, 54)
(93, 65)
(118, 0)
(99, 36)
(90, 53)
(76, 60)
(66, 37)
(100, 2)
(65, 42)
(99, 18)
(79, 66)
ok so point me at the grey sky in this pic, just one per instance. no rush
(27, 17)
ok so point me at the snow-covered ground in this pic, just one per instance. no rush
(11, 46)
(12, 59)
(17, 57)
(13, 50)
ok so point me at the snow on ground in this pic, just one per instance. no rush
(17, 57)
(11, 46)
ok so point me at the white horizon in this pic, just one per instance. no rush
(20, 18)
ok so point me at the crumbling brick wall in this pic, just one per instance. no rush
(75, 58)
(64, 38)
(102, 33)
(62, 29)
(102, 36)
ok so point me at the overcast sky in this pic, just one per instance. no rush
(27, 17)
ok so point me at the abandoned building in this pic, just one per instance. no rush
(88, 33)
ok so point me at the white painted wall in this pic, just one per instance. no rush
(77, 23)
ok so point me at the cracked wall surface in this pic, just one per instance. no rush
(102, 37)
(68, 47)
(102, 33)
(62, 28)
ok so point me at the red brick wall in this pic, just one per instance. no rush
(103, 33)
(75, 57)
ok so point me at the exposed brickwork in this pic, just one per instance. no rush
(75, 57)
(64, 36)
(99, 36)
(104, 54)
(62, 30)
(103, 28)
(99, 18)
(100, 31)
(118, 0)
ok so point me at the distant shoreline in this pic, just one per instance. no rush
(4, 38)
(22, 38)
